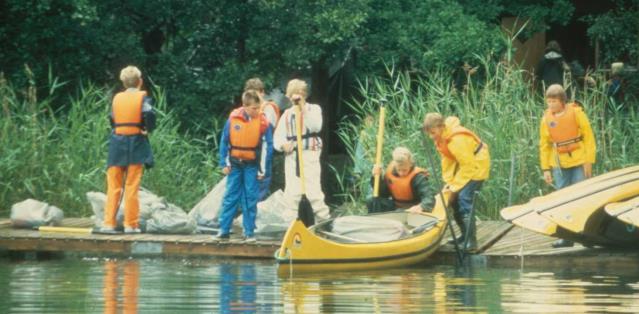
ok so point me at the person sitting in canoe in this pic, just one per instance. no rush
(405, 186)
(567, 146)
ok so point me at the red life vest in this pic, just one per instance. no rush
(442, 145)
(401, 188)
(245, 135)
(276, 109)
(563, 129)
(127, 112)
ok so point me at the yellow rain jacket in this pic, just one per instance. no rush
(584, 153)
(471, 161)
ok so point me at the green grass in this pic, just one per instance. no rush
(57, 157)
(505, 112)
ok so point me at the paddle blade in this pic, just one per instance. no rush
(305, 212)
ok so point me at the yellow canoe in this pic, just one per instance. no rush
(576, 212)
(316, 249)
(627, 211)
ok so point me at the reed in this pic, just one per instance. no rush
(505, 111)
(58, 156)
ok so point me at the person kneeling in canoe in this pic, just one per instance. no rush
(465, 166)
(405, 186)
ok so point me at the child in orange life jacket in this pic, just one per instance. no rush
(285, 140)
(132, 118)
(566, 143)
(465, 164)
(246, 136)
(404, 185)
(272, 113)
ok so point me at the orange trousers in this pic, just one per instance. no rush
(115, 176)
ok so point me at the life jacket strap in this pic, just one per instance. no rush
(481, 145)
(130, 124)
(305, 136)
(570, 141)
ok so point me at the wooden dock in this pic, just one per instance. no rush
(499, 243)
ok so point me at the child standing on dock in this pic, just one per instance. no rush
(465, 162)
(272, 113)
(132, 118)
(246, 142)
(404, 185)
(285, 141)
(567, 146)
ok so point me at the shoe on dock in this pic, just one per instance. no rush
(222, 237)
(250, 239)
(562, 243)
(129, 230)
(107, 230)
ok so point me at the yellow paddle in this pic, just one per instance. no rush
(305, 211)
(376, 205)
(65, 229)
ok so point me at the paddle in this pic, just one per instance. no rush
(460, 254)
(305, 210)
(376, 204)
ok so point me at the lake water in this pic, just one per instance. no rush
(92, 285)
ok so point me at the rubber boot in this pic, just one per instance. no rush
(462, 227)
(471, 244)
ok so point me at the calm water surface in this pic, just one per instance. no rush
(189, 286)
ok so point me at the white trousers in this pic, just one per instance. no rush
(312, 174)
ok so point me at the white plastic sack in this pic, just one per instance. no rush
(272, 215)
(31, 213)
(206, 212)
(369, 228)
(170, 219)
(152, 207)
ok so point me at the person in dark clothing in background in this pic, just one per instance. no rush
(550, 69)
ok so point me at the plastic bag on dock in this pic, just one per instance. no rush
(368, 229)
(167, 218)
(273, 219)
(31, 213)
(206, 212)
(170, 219)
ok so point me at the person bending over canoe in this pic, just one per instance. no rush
(404, 186)
(465, 166)
(566, 143)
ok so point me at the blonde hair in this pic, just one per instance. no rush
(250, 97)
(254, 84)
(556, 91)
(296, 86)
(401, 155)
(130, 76)
(433, 120)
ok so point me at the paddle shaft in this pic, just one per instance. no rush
(378, 153)
(298, 135)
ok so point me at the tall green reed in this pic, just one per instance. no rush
(59, 156)
(505, 111)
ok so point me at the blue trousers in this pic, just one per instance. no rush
(242, 189)
(464, 201)
(568, 176)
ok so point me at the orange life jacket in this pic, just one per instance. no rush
(563, 129)
(127, 112)
(442, 145)
(401, 188)
(244, 135)
(276, 109)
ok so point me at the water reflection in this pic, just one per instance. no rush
(238, 288)
(232, 286)
(121, 292)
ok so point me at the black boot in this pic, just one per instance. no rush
(471, 241)
(462, 227)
